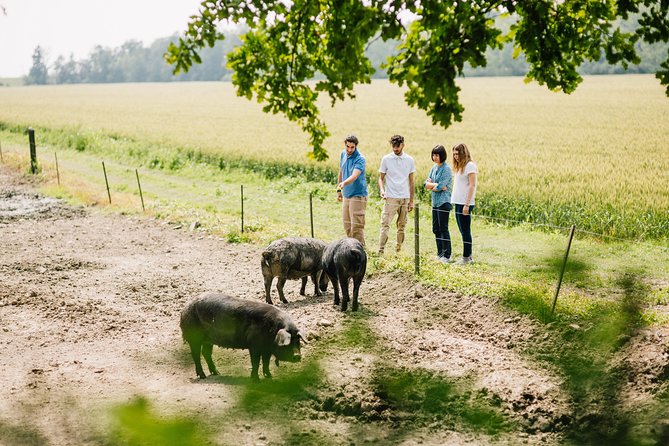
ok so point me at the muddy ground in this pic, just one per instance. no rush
(89, 309)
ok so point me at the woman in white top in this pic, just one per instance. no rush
(464, 193)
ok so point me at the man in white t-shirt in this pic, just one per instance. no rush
(396, 187)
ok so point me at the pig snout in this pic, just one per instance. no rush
(289, 355)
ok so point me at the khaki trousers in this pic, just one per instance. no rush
(392, 207)
(353, 215)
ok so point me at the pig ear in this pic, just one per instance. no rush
(303, 337)
(282, 338)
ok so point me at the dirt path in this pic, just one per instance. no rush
(89, 308)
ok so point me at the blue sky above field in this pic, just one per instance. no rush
(77, 26)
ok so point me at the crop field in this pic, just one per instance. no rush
(598, 158)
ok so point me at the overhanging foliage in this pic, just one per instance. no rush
(289, 42)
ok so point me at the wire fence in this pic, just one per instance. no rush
(331, 226)
(473, 215)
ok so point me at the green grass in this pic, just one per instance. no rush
(424, 398)
(594, 380)
(136, 424)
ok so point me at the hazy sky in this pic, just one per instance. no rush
(62, 27)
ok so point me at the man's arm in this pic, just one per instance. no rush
(411, 191)
(382, 177)
(354, 176)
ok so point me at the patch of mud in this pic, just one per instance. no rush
(15, 205)
(19, 201)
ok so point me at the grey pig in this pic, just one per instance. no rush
(343, 260)
(293, 258)
(216, 319)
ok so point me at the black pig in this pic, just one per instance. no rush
(293, 258)
(343, 260)
(216, 319)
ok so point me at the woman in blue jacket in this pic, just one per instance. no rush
(439, 182)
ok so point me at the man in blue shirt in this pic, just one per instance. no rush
(352, 189)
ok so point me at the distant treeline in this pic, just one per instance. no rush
(132, 62)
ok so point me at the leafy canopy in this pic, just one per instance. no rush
(296, 49)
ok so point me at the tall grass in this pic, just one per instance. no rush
(597, 158)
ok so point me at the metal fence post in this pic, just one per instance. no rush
(564, 265)
(311, 212)
(104, 170)
(55, 155)
(141, 196)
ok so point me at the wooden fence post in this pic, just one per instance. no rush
(33, 151)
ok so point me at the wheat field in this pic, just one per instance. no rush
(603, 147)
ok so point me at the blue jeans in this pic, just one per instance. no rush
(464, 225)
(440, 229)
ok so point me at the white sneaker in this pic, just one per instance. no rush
(445, 260)
(465, 260)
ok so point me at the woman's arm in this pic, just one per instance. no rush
(471, 186)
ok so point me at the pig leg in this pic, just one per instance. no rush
(266, 358)
(323, 282)
(332, 274)
(206, 352)
(255, 363)
(195, 353)
(343, 282)
(303, 288)
(268, 289)
(356, 287)
(335, 287)
(281, 281)
(316, 278)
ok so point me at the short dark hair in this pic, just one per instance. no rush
(441, 151)
(396, 140)
(353, 139)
